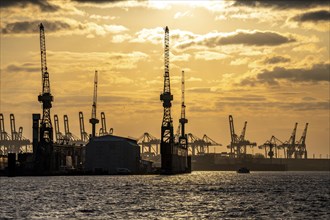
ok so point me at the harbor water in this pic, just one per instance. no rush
(199, 195)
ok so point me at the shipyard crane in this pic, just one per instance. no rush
(14, 133)
(3, 134)
(238, 144)
(301, 151)
(271, 147)
(103, 129)
(46, 128)
(290, 145)
(183, 137)
(83, 133)
(20, 133)
(44, 154)
(68, 136)
(58, 134)
(196, 145)
(209, 142)
(93, 119)
(149, 144)
(167, 137)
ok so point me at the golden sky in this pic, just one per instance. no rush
(265, 62)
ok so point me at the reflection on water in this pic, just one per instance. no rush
(197, 195)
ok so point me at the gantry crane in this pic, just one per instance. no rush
(14, 142)
(238, 144)
(14, 133)
(68, 136)
(149, 144)
(167, 137)
(58, 134)
(183, 137)
(103, 129)
(290, 145)
(301, 151)
(271, 147)
(93, 119)
(209, 142)
(196, 145)
(83, 133)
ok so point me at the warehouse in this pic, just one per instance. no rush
(112, 154)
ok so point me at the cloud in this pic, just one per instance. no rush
(42, 4)
(120, 38)
(261, 105)
(317, 73)
(244, 37)
(64, 27)
(282, 4)
(115, 28)
(97, 1)
(100, 17)
(210, 55)
(276, 59)
(156, 36)
(28, 27)
(25, 67)
(314, 16)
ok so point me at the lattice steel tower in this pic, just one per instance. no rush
(183, 120)
(46, 128)
(167, 137)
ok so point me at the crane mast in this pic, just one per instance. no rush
(46, 129)
(167, 137)
(183, 120)
(93, 119)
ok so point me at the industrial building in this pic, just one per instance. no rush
(112, 154)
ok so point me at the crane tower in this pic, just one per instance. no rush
(183, 120)
(93, 119)
(174, 157)
(167, 137)
(46, 128)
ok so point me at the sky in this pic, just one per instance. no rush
(264, 62)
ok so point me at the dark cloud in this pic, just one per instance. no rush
(44, 5)
(266, 104)
(276, 59)
(254, 38)
(283, 4)
(26, 67)
(318, 73)
(314, 16)
(28, 27)
(97, 1)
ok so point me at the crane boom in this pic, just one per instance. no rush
(183, 120)
(243, 132)
(13, 127)
(83, 133)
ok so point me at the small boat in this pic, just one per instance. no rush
(243, 170)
